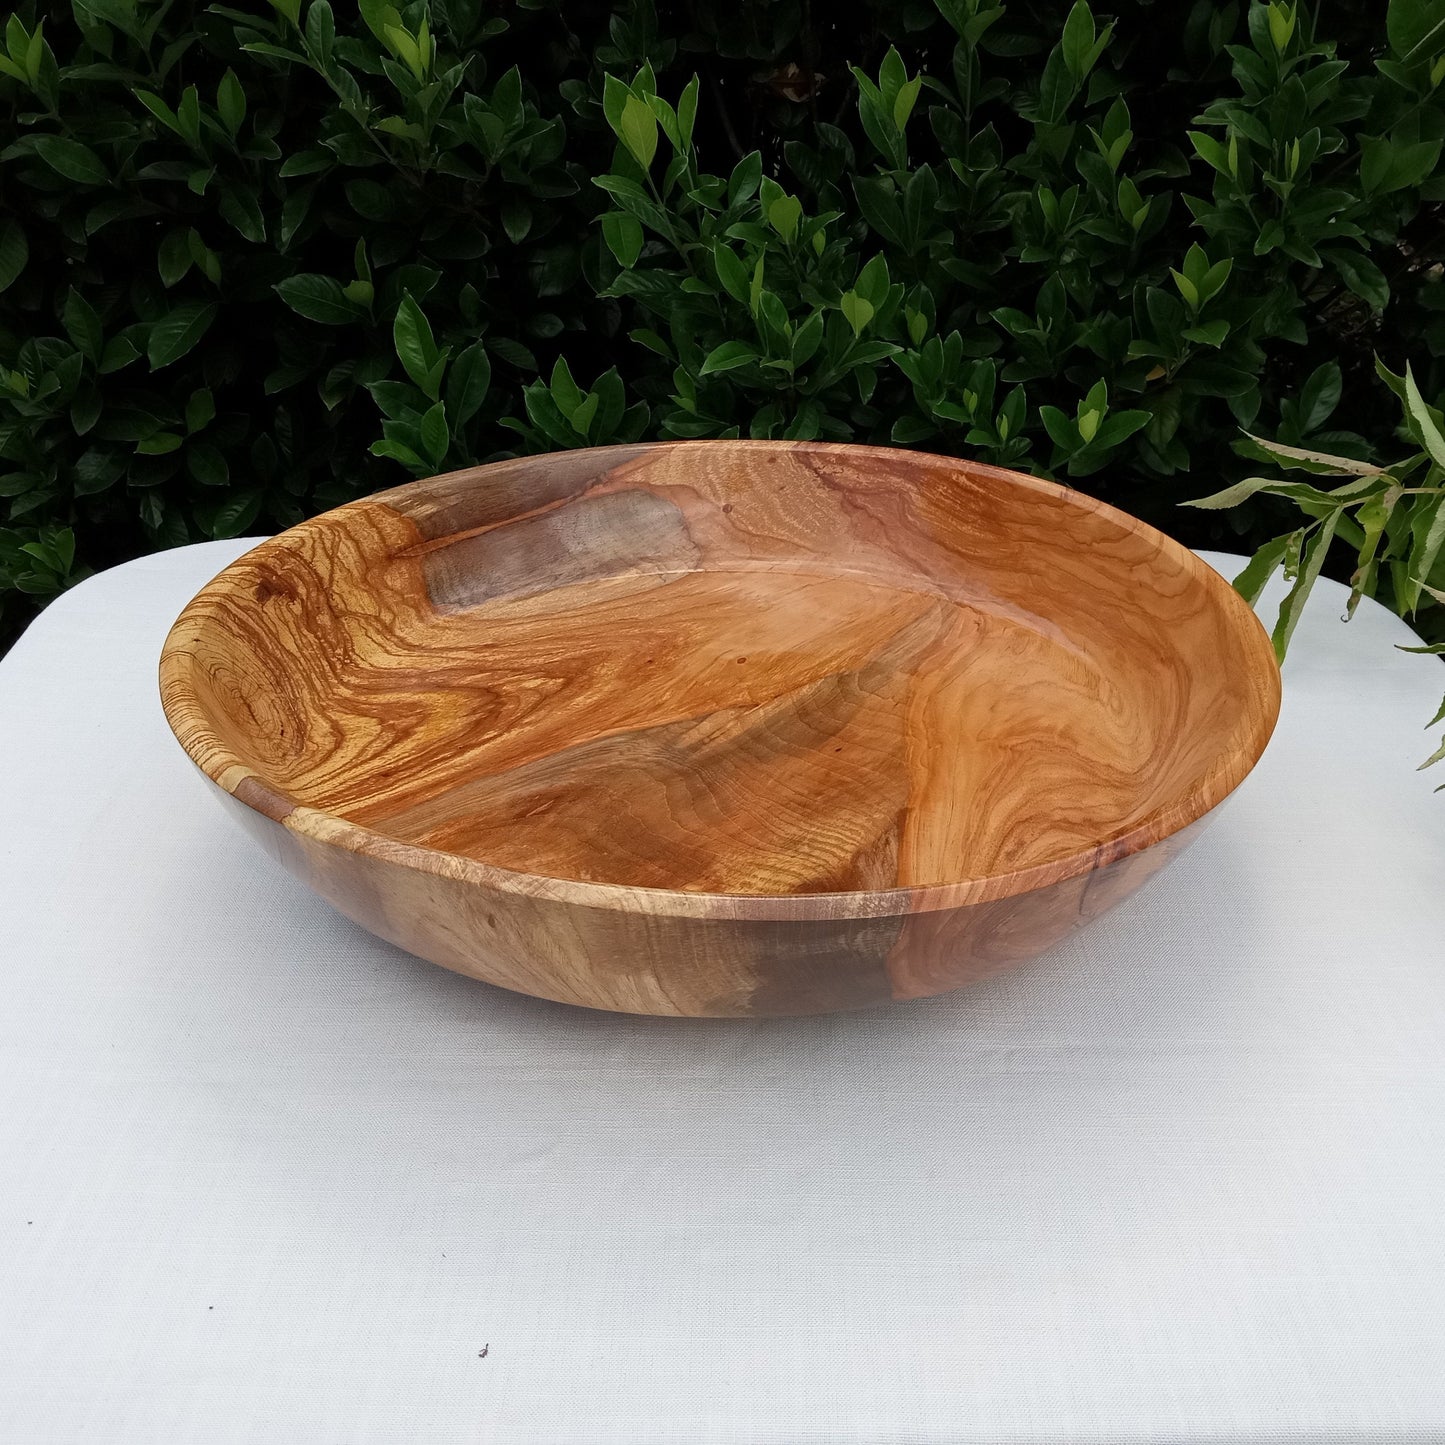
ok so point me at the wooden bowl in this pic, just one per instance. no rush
(722, 728)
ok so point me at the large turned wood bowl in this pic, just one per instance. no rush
(722, 728)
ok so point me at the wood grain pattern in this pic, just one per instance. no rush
(722, 727)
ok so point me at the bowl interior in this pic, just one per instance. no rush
(742, 668)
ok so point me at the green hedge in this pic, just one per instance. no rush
(257, 262)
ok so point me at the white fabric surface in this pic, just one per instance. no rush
(265, 1178)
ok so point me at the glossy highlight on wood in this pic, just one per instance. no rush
(722, 728)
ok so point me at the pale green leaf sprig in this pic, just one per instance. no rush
(1393, 515)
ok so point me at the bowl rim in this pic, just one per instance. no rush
(232, 775)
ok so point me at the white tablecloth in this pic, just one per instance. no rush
(264, 1178)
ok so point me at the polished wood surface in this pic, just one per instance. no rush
(722, 727)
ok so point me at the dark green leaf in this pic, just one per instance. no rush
(178, 332)
(1361, 275)
(94, 471)
(119, 352)
(82, 325)
(231, 99)
(85, 411)
(512, 352)
(122, 14)
(399, 452)
(415, 348)
(207, 465)
(1077, 39)
(637, 127)
(623, 236)
(732, 273)
(306, 163)
(1387, 164)
(857, 309)
(233, 514)
(1210, 333)
(200, 410)
(1319, 396)
(321, 30)
(1414, 26)
(159, 444)
(370, 200)
(745, 178)
(72, 159)
(173, 259)
(516, 220)
(1062, 429)
(204, 257)
(1058, 89)
(318, 298)
(729, 356)
(467, 384)
(14, 252)
(239, 206)
(434, 433)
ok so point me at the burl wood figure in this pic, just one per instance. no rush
(722, 728)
